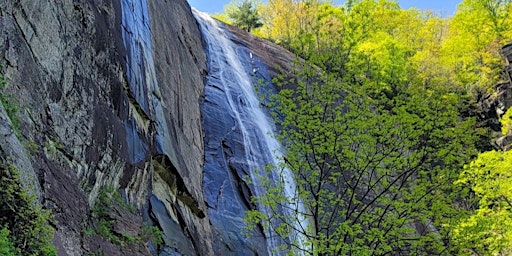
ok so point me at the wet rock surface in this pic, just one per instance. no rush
(108, 95)
(84, 125)
(238, 132)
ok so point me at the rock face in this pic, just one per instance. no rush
(276, 58)
(492, 107)
(503, 101)
(239, 136)
(92, 115)
(108, 95)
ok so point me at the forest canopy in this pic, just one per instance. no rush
(382, 128)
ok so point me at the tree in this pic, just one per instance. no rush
(280, 21)
(245, 16)
(476, 34)
(374, 147)
(23, 217)
(6, 246)
(371, 163)
(488, 186)
(286, 21)
(488, 230)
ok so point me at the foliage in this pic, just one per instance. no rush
(10, 106)
(475, 36)
(23, 217)
(506, 122)
(6, 246)
(222, 17)
(488, 231)
(371, 163)
(107, 198)
(373, 133)
(288, 22)
(245, 16)
(151, 234)
(281, 20)
(464, 48)
(378, 128)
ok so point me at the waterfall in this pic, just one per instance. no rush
(238, 133)
(231, 98)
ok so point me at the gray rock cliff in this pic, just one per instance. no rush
(108, 95)
(83, 127)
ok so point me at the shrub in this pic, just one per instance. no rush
(22, 217)
(6, 246)
(151, 234)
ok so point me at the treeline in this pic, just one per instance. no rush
(465, 46)
(381, 131)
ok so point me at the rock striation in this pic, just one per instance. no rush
(108, 96)
(84, 125)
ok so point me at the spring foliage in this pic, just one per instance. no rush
(375, 134)
(488, 229)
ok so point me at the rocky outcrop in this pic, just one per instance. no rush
(276, 58)
(493, 107)
(107, 95)
(60, 68)
(85, 126)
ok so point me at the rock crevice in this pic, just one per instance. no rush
(65, 64)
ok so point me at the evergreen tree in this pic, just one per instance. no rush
(23, 217)
(245, 16)
(6, 246)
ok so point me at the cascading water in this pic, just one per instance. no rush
(239, 134)
(237, 130)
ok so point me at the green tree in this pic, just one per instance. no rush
(6, 246)
(246, 16)
(222, 17)
(476, 34)
(23, 216)
(371, 162)
(488, 186)
(488, 230)
(506, 122)
(373, 145)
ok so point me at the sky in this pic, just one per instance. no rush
(442, 7)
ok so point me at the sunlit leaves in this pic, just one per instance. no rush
(371, 160)
(489, 229)
(506, 122)
(476, 34)
(374, 133)
(245, 16)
